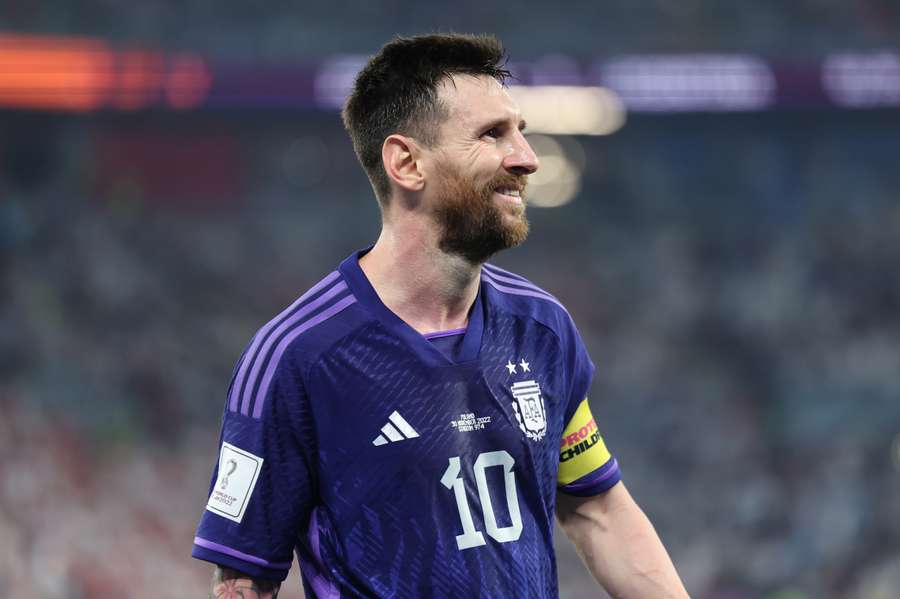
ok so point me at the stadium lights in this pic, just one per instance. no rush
(862, 80)
(83, 74)
(53, 73)
(559, 95)
(558, 179)
(697, 82)
(569, 110)
(335, 77)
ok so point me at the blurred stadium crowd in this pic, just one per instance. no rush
(735, 278)
(291, 31)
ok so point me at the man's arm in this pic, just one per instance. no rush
(619, 545)
(230, 584)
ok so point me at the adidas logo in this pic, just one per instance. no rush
(397, 429)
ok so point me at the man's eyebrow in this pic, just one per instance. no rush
(500, 123)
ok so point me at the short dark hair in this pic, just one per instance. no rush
(396, 92)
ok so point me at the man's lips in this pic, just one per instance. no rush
(510, 198)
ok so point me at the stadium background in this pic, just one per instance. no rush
(726, 235)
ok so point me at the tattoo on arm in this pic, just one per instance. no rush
(231, 584)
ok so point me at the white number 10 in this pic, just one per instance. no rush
(452, 480)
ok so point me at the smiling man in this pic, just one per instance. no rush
(410, 425)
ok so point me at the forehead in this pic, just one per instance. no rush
(474, 100)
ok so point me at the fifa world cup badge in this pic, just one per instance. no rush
(529, 408)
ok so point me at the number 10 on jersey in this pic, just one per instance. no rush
(452, 479)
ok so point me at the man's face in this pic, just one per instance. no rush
(480, 170)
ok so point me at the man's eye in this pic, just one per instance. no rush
(492, 132)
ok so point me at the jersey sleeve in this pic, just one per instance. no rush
(586, 466)
(262, 488)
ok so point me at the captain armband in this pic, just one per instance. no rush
(582, 450)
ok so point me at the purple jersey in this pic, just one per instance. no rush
(395, 466)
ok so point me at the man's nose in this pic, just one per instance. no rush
(520, 158)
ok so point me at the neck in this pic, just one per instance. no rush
(427, 288)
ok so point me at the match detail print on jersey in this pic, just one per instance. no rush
(238, 472)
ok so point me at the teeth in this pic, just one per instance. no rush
(509, 192)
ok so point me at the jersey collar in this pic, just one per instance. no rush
(365, 294)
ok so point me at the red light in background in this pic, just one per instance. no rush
(54, 73)
(140, 76)
(187, 170)
(188, 81)
(83, 74)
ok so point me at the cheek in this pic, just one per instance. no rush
(484, 155)
(490, 160)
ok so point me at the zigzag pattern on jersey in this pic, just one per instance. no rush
(257, 367)
(507, 282)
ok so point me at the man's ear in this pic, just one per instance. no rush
(400, 157)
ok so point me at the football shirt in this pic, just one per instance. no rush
(399, 465)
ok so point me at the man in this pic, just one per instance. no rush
(410, 424)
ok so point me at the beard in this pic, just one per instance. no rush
(472, 224)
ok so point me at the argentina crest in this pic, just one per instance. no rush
(529, 408)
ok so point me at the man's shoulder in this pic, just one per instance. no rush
(516, 294)
(319, 317)
(299, 334)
